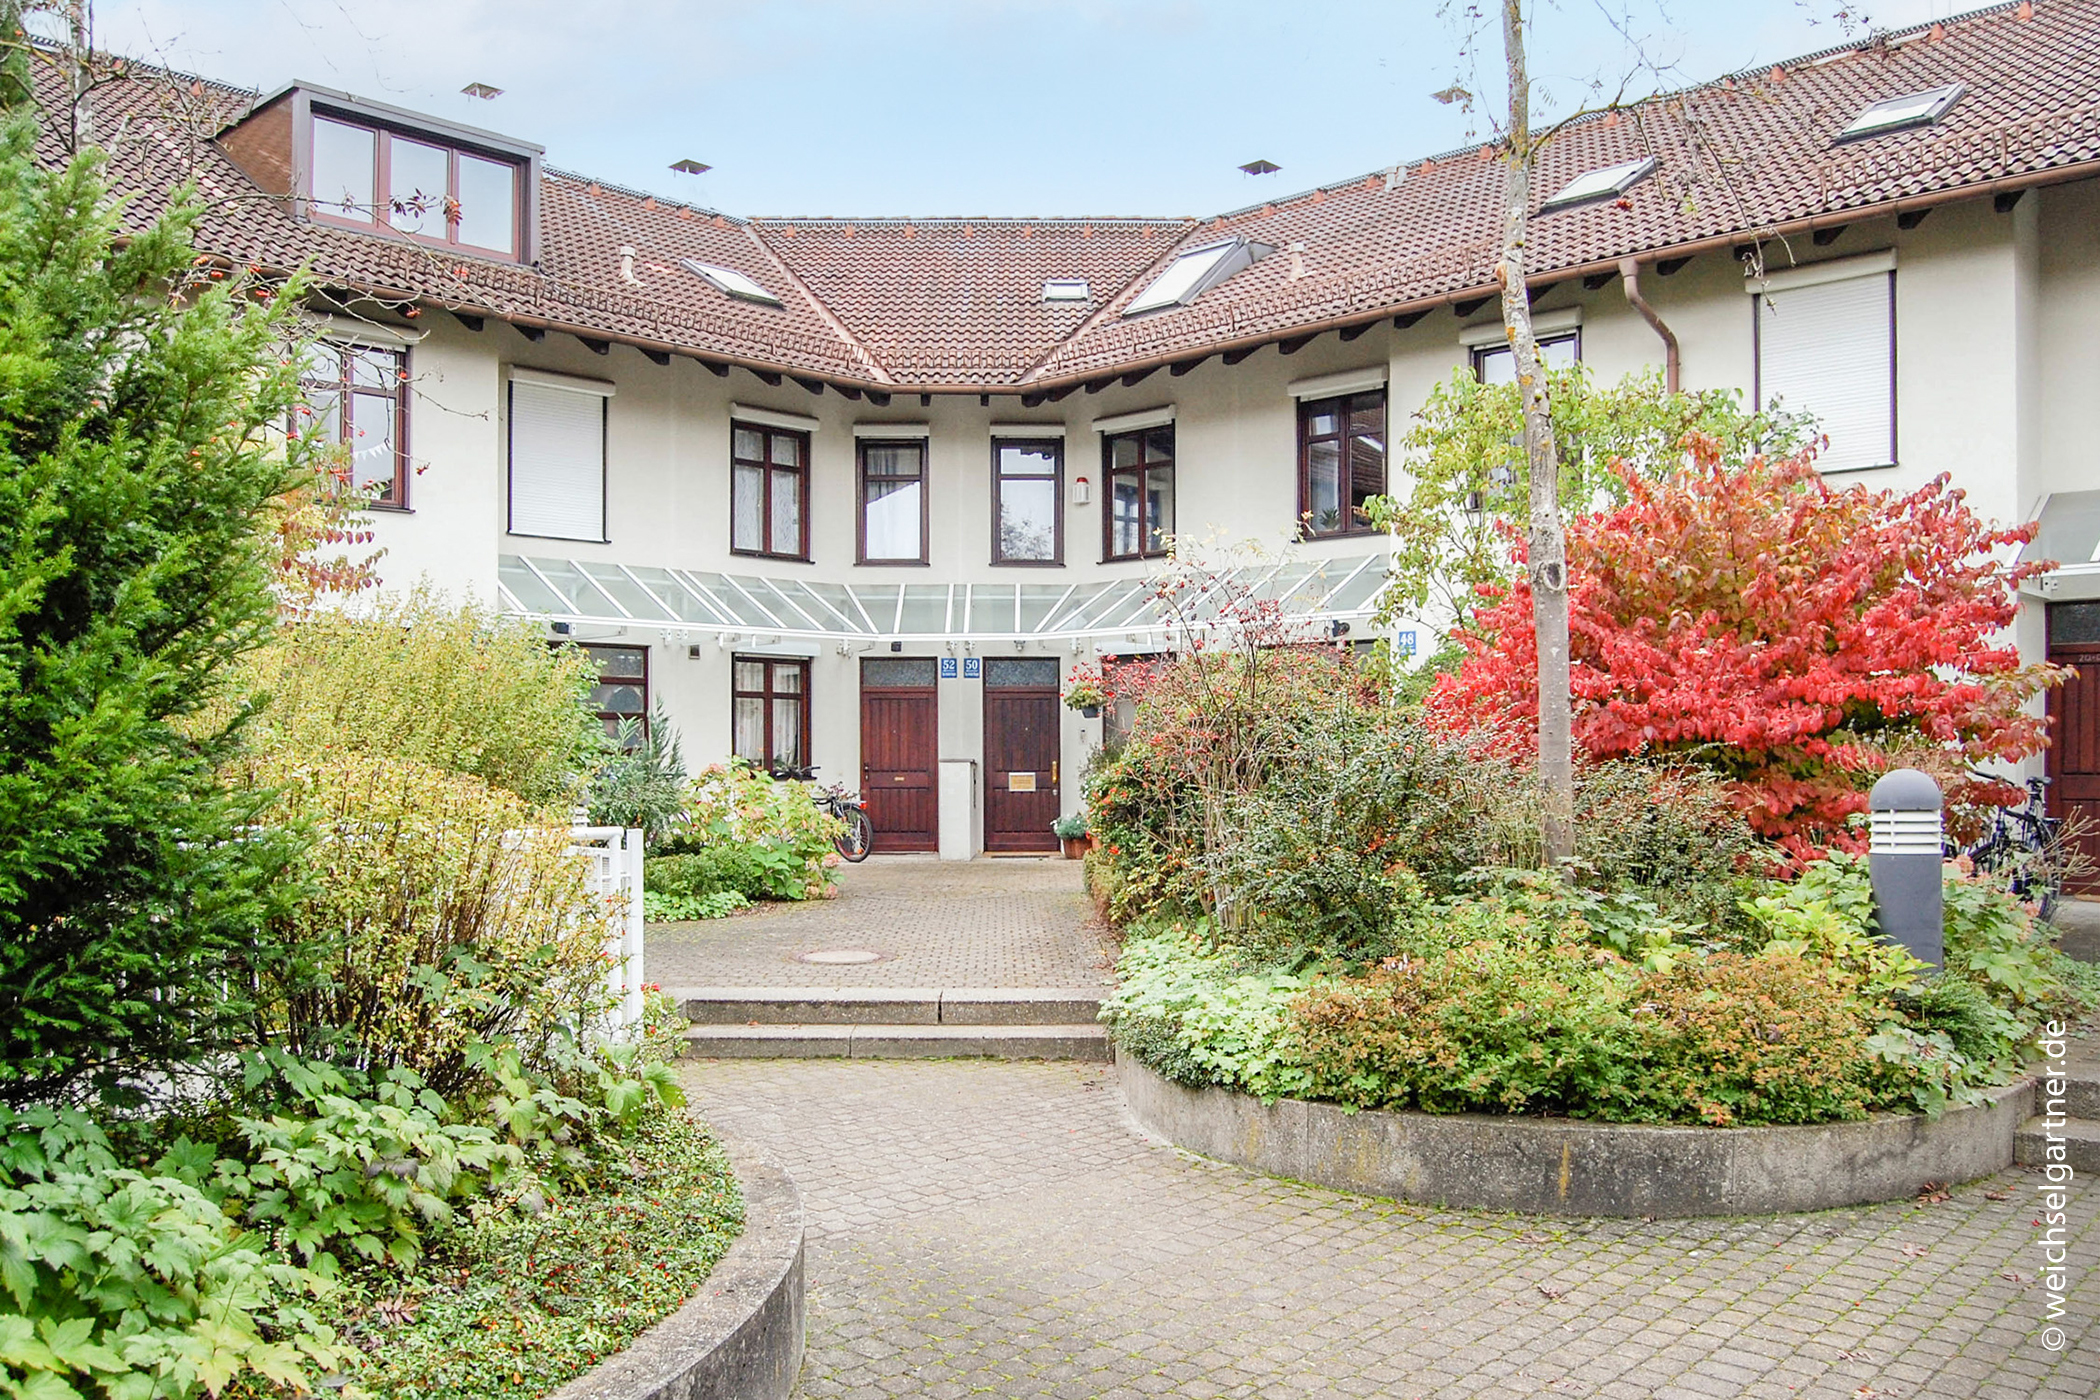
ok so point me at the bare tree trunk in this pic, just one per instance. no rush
(1548, 543)
(80, 21)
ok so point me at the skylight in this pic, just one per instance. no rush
(1195, 272)
(730, 281)
(1066, 289)
(1601, 184)
(1912, 109)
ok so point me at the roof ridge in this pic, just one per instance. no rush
(907, 220)
(555, 172)
(1725, 81)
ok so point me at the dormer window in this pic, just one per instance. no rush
(435, 193)
(354, 163)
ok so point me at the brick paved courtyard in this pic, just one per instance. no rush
(986, 1228)
(981, 923)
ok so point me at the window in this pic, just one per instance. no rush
(1611, 181)
(1497, 364)
(730, 282)
(1825, 339)
(1067, 289)
(1895, 113)
(769, 719)
(1027, 495)
(1195, 272)
(621, 695)
(1138, 505)
(768, 491)
(358, 395)
(892, 502)
(433, 192)
(557, 456)
(1341, 461)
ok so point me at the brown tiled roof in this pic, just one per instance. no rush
(155, 118)
(2032, 106)
(957, 304)
(960, 301)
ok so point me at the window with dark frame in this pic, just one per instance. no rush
(1138, 506)
(1341, 462)
(892, 501)
(1028, 490)
(357, 395)
(768, 491)
(370, 176)
(769, 711)
(1497, 364)
(621, 695)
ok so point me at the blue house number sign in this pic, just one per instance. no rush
(947, 668)
(973, 667)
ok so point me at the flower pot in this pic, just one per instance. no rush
(1090, 712)
(1076, 847)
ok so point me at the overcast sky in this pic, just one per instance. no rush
(926, 107)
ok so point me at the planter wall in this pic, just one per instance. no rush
(738, 1338)
(1551, 1166)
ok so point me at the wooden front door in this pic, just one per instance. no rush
(1020, 753)
(900, 751)
(2074, 725)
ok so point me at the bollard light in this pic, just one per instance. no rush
(1903, 860)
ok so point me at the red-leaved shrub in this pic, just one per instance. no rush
(1799, 637)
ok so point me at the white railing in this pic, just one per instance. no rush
(616, 875)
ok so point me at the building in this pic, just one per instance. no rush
(857, 492)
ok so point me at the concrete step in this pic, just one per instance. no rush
(898, 1041)
(888, 1006)
(2081, 1140)
(2081, 1089)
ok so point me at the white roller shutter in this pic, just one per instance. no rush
(1829, 347)
(557, 460)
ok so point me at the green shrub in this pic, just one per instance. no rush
(460, 688)
(640, 780)
(683, 908)
(1201, 1016)
(439, 914)
(516, 1303)
(747, 832)
(137, 1286)
(1358, 811)
(340, 1175)
(142, 399)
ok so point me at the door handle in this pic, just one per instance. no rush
(1053, 772)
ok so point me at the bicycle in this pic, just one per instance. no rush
(838, 800)
(2022, 846)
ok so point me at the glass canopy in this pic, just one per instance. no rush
(572, 590)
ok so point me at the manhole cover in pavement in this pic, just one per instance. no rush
(840, 955)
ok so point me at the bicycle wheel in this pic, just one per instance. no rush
(858, 838)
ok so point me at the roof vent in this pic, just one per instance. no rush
(1896, 113)
(1067, 289)
(1611, 181)
(1195, 272)
(730, 282)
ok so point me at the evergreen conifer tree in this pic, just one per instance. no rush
(141, 398)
